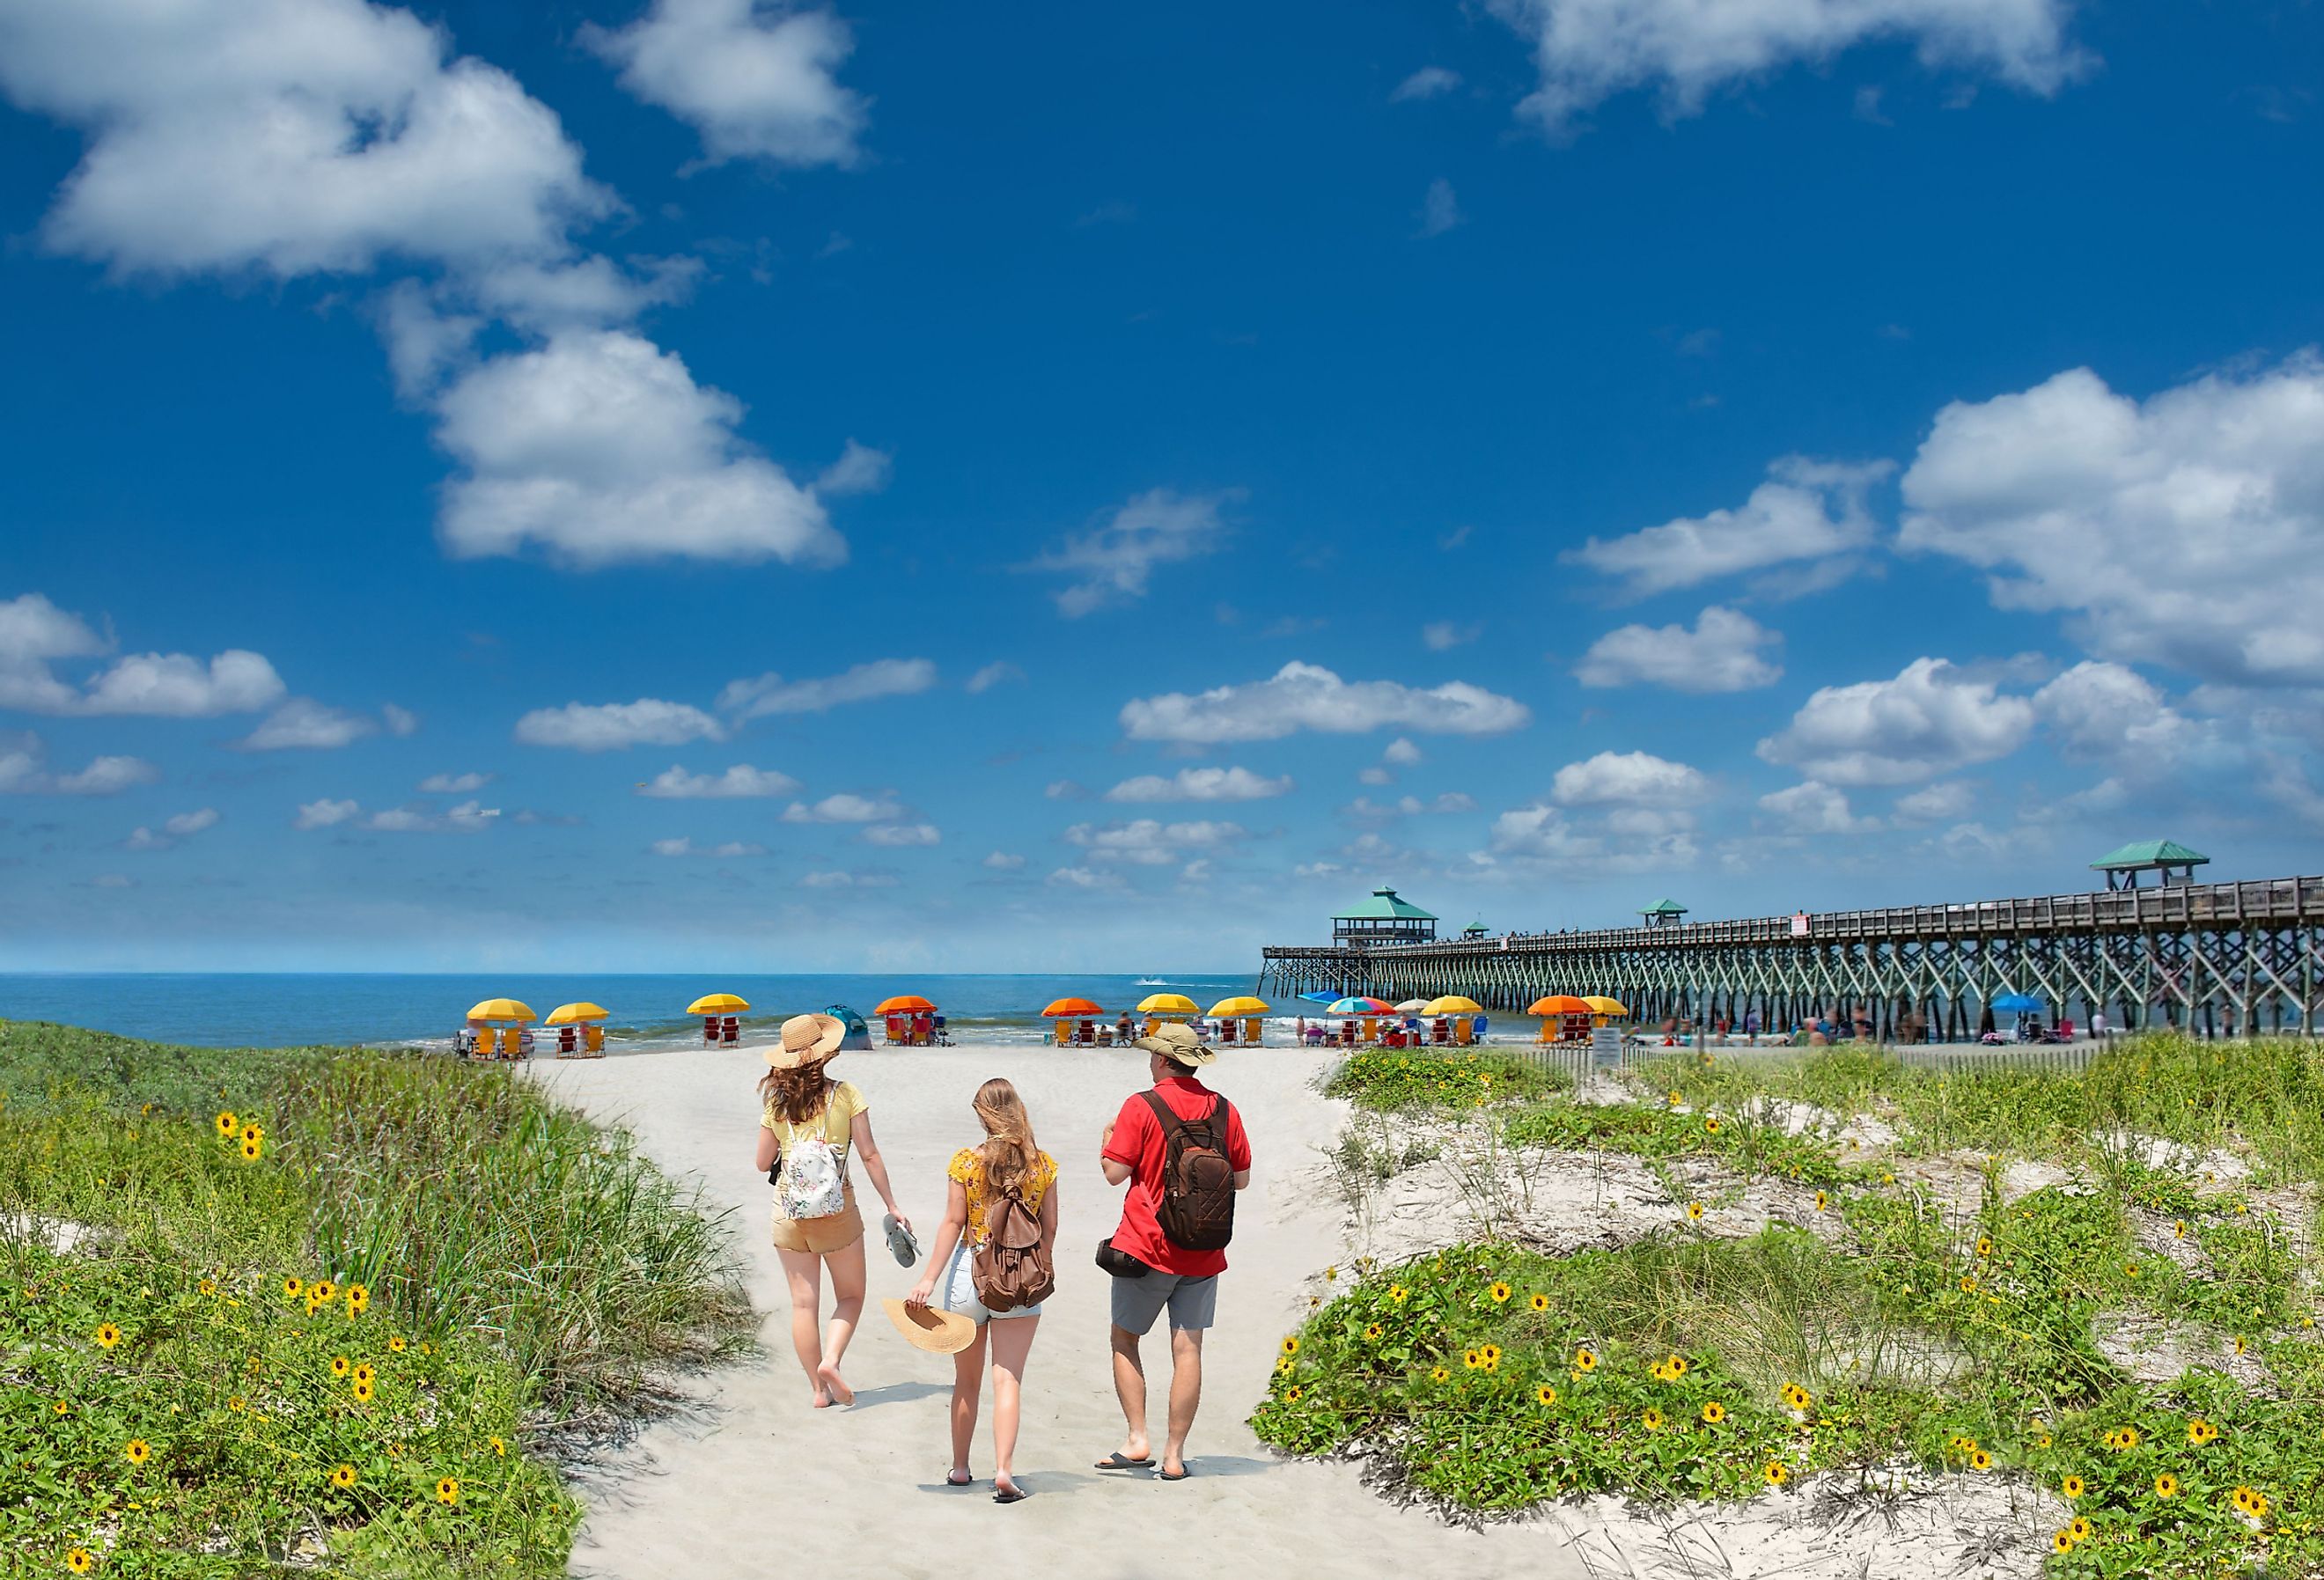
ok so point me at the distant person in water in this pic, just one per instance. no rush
(1004, 1174)
(808, 1126)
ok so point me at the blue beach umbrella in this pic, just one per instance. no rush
(2018, 1003)
(1319, 998)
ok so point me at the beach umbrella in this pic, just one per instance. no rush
(1319, 998)
(1412, 1007)
(1453, 1004)
(718, 1004)
(1559, 1003)
(503, 1010)
(1360, 1006)
(1070, 1008)
(1600, 1004)
(905, 1003)
(1168, 1003)
(1236, 1009)
(2018, 1003)
(572, 1014)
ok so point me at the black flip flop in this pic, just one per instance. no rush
(1164, 1475)
(1011, 1495)
(1117, 1460)
(970, 1481)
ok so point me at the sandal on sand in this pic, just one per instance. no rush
(1164, 1475)
(1009, 1495)
(1117, 1460)
(966, 1481)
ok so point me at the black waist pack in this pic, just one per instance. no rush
(1119, 1264)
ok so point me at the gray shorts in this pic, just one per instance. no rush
(1136, 1302)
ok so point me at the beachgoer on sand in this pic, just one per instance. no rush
(807, 1129)
(994, 1265)
(1181, 1148)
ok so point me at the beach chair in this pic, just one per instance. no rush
(710, 1030)
(730, 1032)
(1251, 1031)
(595, 1036)
(565, 1042)
(512, 1042)
(1441, 1033)
(1226, 1034)
(1460, 1031)
(1347, 1033)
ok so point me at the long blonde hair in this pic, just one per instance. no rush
(1007, 1151)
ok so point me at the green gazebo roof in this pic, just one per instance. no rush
(1384, 906)
(2149, 853)
(1664, 908)
(1477, 925)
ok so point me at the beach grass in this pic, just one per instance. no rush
(1886, 1323)
(1388, 1080)
(258, 1305)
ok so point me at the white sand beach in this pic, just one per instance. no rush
(755, 1480)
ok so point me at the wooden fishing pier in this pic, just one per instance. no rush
(2217, 959)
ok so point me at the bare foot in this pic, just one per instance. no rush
(822, 1400)
(831, 1381)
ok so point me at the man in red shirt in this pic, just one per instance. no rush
(1184, 1282)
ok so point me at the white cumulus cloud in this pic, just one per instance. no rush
(1629, 779)
(902, 836)
(1114, 560)
(1930, 720)
(757, 81)
(2176, 531)
(739, 782)
(1428, 82)
(1308, 697)
(1725, 652)
(1808, 512)
(612, 726)
(1590, 51)
(845, 808)
(992, 675)
(685, 846)
(865, 682)
(454, 784)
(1004, 861)
(304, 723)
(2098, 709)
(1201, 784)
(326, 813)
(23, 772)
(1814, 808)
(1147, 842)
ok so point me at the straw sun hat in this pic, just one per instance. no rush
(807, 1039)
(1177, 1044)
(927, 1327)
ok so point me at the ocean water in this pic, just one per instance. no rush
(647, 1013)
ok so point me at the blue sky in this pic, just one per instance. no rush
(593, 486)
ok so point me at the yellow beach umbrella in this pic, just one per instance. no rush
(573, 1014)
(1453, 1004)
(1167, 1004)
(1600, 1004)
(502, 1009)
(1237, 1008)
(718, 1004)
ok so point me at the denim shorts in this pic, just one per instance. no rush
(956, 1291)
(1192, 1303)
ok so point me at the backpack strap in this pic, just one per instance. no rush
(1168, 1116)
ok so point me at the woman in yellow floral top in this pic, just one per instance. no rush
(1008, 1159)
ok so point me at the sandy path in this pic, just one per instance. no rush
(759, 1483)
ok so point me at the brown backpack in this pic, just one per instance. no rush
(1011, 1269)
(1198, 1202)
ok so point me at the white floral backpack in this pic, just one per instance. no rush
(814, 1181)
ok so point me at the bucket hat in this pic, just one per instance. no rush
(1178, 1044)
(807, 1039)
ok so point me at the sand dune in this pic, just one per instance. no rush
(759, 1483)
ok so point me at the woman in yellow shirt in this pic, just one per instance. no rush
(801, 1102)
(1007, 1160)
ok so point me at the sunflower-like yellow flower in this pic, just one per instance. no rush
(1372, 1333)
(235, 1404)
(252, 1151)
(80, 1561)
(1292, 1395)
(1676, 1364)
(362, 1393)
(1440, 1375)
(1983, 1246)
(2199, 1432)
(341, 1366)
(1694, 1211)
(1585, 1360)
(107, 1335)
(1284, 1365)
(1500, 1292)
(2247, 1501)
(1290, 1345)
(1713, 1412)
(2166, 1485)
(1777, 1472)
(254, 1133)
(137, 1450)
(1538, 1300)
(207, 1286)
(358, 1299)
(447, 1491)
(1978, 1459)
(1796, 1397)
(1968, 1285)
(1651, 1420)
(1397, 1293)
(2082, 1529)
(1472, 1359)
(1824, 1200)
(227, 1123)
(344, 1477)
(1545, 1394)
(292, 1287)
(1489, 1353)
(396, 1343)
(2073, 1487)
(1710, 1125)
(324, 1289)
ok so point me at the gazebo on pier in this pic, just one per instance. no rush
(1474, 930)
(1663, 913)
(1385, 917)
(2169, 862)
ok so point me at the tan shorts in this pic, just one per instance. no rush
(820, 1236)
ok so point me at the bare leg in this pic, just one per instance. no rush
(967, 1381)
(1185, 1394)
(1012, 1341)
(1130, 1387)
(846, 1266)
(803, 1271)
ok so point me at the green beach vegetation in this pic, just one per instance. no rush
(263, 1305)
(1941, 1298)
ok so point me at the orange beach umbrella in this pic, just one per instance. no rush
(903, 1004)
(1559, 1003)
(1070, 1008)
